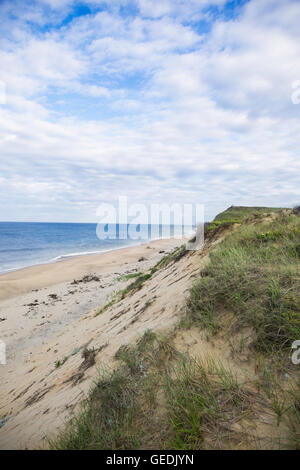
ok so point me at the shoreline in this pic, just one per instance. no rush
(67, 256)
(64, 257)
(26, 279)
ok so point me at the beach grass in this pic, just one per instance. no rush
(238, 214)
(254, 274)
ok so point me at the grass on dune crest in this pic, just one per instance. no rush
(238, 214)
(254, 273)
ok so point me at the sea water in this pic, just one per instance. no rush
(29, 243)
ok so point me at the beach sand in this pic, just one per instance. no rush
(47, 314)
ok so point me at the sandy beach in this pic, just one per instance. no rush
(47, 316)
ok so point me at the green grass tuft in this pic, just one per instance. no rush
(202, 397)
(127, 277)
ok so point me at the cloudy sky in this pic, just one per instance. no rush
(160, 100)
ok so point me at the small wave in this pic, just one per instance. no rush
(4, 270)
(84, 253)
(73, 255)
(17, 250)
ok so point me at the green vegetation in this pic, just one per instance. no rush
(202, 398)
(241, 213)
(127, 277)
(174, 256)
(294, 418)
(121, 294)
(60, 362)
(253, 278)
(120, 411)
(106, 306)
(195, 399)
(254, 273)
(238, 214)
(135, 285)
(105, 421)
(109, 416)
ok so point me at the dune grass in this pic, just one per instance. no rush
(174, 256)
(254, 273)
(204, 400)
(238, 214)
(127, 277)
(199, 398)
(294, 418)
(140, 278)
(108, 417)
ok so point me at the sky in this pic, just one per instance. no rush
(162, 101)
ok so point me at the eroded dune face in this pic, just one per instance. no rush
(49, 331)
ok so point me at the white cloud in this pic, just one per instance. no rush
(191, 9)
(148, 105)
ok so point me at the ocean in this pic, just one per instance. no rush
(25, 244)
